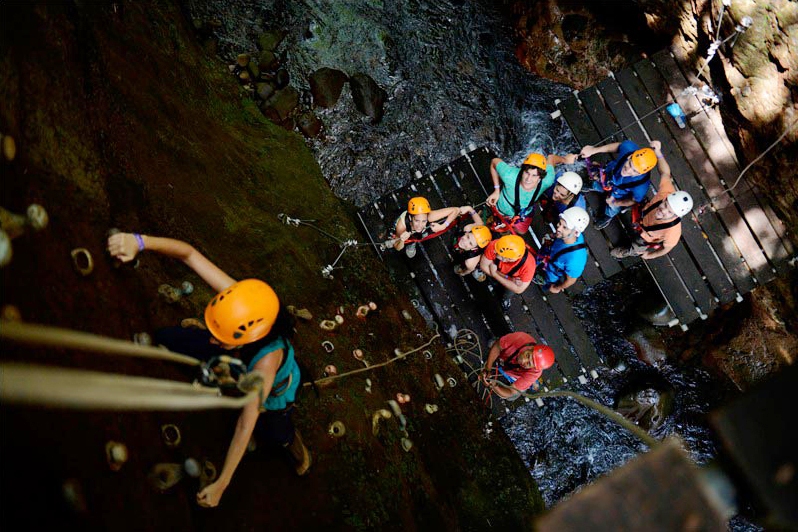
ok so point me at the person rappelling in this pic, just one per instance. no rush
(468, 245)
(244, 320)
(511, 263)
(624, 181)
(418, 223)
(515, 363)
(517, 189)
(658, 222)
(561, 260)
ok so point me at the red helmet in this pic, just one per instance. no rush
(543, 356)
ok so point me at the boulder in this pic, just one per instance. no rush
(309, 124)
(264, 90)
(270, 40)
(282, 103)
(369, 97)
(648, 408)
(267, 61)
(326, 85)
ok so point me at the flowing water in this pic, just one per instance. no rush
(452, 80)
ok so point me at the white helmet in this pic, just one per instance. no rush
(576, 218)
(571, 181)
(680, 203)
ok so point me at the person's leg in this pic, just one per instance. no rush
(507, 299)
(275, 428)
(604, 219)
(410, 250)
(188, 341)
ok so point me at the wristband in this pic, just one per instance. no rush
(497, 187)
(140, 241)
(446, 223)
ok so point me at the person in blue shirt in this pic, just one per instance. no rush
(244, 320)
(625, 180)
(561, 261)
(516, 190)
(565, 193)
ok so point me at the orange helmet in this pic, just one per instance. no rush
(418, 205)
(537, 160)
(242, 313)
(543, 356)
(643, 160)
(481, 235)
(510, 247)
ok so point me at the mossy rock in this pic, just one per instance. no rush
(309, 124)
(267, 61)
(270, 40)
(369, 97)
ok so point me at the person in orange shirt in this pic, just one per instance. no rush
(508, 261)
(658, 222)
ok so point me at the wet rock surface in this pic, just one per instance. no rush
(447, 68)
(369, 97)
(326, 85)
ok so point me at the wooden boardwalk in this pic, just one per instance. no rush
(731, 243)
(458, 303)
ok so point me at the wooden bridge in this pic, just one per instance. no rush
(731, 244)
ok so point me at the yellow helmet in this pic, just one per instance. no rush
(242, 313)
(510, 247)
(418, 205)
(644, 160)
(537, 160)
(481, 235)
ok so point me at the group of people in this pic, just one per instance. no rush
(247, 320)
(497, 250)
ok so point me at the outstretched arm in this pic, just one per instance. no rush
(450, 213)
(125, 247)
(588, 150)
(662, 166)
(212, 493)
(494, 176)
(558, 159)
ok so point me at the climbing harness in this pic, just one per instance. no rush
(638, 213)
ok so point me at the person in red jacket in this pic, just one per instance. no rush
(515, 363)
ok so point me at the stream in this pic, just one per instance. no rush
(452, 80)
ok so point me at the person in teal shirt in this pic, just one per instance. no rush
(245, 320)
(516, 190)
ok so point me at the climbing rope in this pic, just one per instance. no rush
(48, 336)
(400, 356)
(74, 388)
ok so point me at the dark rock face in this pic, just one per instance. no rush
(326, 85)
(369, 97)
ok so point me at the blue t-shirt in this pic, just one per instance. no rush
(507, 176)
(280, 396)
(571, 263)
(614, 177)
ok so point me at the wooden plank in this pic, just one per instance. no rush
(441, 257)
(729, 255)
(723, 203)
(468, 180)
(585, 134)
(692, 234)
(666, 275)
(550, 331)
(709, 138)
(575, 330)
